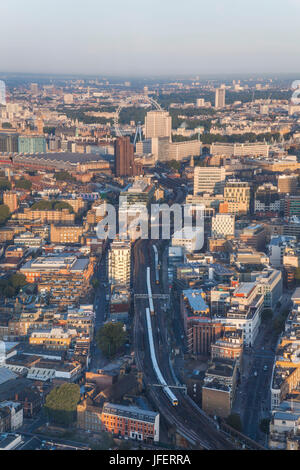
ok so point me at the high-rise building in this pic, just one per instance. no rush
(2, 93)
(158, 124)
(34, 88)
(209, 179)
(124, 157)
(220, 98)
(119, 262)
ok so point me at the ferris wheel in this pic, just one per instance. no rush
(135, 99)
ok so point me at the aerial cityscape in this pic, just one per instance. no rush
(149, 237)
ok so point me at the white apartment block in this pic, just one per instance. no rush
(188, 148)
(254, 149)
(241, 315)
(119, 262)
(158, 124)
(209, 179)
(162, 149)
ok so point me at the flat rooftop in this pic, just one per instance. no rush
(195, 299)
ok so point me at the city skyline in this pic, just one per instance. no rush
(118, 38)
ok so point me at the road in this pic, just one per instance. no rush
(253, 395)
(101, 309)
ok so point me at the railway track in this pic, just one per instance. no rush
(196, 427)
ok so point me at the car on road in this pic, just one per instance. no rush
(255, 373)
(265, 367)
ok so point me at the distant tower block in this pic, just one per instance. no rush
(220, 98)
(2, 93)
(192, 163)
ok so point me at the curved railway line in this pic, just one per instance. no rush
(189, 420)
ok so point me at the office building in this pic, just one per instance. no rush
(292, 206)
(287, 184)
(237, 197)
(254, 149)
(188, 148)
(199, 328)
(222, 225)
(158, 124)
(209, 179)
(254, 236)
(220, 98)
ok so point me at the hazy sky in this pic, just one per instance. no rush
(156, 37)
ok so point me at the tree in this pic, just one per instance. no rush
(4, 213)
(125, 445)
(61, 404)
(18, 280)
(63, 176)
(174, 164)
(49, 130)
(4, 184)
(95, 283)
(10, 286)
(297, 276)
(22, 183)
(60, 205)
(110, 338)
(105, 442)
(234, 420)
(42, 205)
(6, 125)
(264, 425)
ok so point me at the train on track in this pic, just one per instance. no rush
(150, 311)
(156, 264)
(150, 292)
(170, 395)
